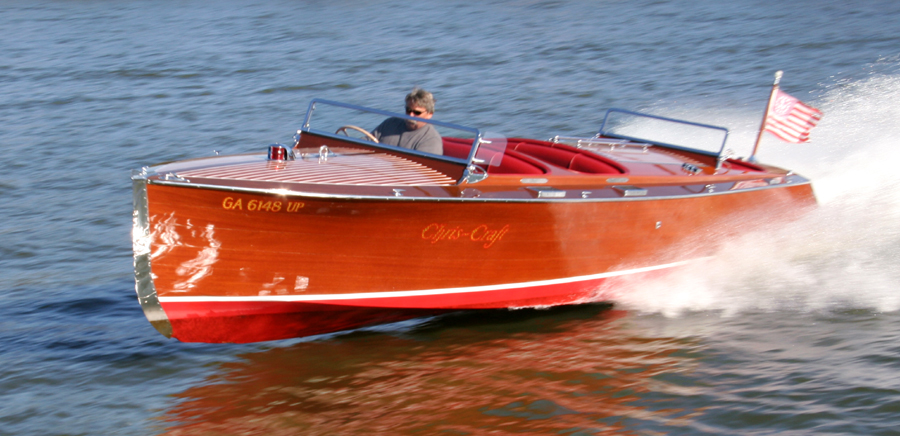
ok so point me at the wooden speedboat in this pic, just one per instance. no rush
(338, 232)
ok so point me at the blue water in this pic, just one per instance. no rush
(787, 331)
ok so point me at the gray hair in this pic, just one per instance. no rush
(422, 98)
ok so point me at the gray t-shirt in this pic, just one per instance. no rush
(394, 131)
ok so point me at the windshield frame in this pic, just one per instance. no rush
(476, 142)
(719, 155)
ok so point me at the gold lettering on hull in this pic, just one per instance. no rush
(483, 233)
(254, 205)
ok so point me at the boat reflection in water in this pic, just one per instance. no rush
(552, 371)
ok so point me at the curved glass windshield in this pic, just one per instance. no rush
(671, 132)
(386, 129)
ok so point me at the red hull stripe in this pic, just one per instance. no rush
(543, 292)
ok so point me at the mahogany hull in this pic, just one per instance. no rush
(223, 265)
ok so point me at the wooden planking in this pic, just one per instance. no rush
(371, 246)
(358, 169)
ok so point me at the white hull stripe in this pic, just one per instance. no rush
(421, 293)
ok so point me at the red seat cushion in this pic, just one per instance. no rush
(458, 148)
(585, 164)
(552, 155)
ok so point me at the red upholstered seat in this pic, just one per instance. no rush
(459, 148)
(573, 160)
(555, 156)
(514, 165)
(584, 164)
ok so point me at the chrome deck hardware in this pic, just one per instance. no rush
(546, 192)
(174, 177)
(690, 168)
(475, 174)
(630, 191)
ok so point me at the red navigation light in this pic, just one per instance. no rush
(278, 152)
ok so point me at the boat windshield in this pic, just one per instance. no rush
(460, 144)
(674, 133)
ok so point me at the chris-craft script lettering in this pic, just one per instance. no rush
(483, 233)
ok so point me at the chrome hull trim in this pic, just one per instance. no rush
(140, 238)
(793, 181)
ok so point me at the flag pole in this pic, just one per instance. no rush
(762, 127)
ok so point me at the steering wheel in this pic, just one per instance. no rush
(368, 135)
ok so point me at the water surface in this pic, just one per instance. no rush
(791, 330)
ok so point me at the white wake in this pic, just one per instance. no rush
(845, 254)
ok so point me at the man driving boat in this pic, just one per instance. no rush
(412, 134)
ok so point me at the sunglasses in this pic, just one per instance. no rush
(410, 110)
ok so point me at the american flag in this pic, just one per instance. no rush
(790, 119)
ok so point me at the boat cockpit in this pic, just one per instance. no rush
(470, 154)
